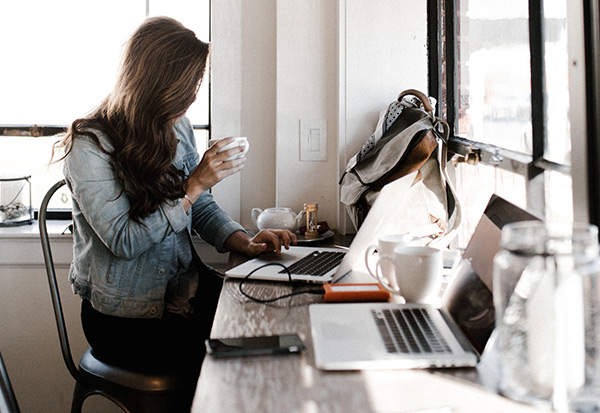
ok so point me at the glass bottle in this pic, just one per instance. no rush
(540, 283)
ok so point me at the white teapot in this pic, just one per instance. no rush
(277, 218)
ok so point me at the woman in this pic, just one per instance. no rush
(138, 188)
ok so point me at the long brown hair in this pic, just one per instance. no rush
(160, 72)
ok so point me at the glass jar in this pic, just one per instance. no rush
(15, 200)
(540, 283)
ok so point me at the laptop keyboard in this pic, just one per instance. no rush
(409, 330)
(316, 263)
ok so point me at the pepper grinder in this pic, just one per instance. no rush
(311, 221)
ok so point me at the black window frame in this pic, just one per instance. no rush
(38, 131)
(591, 27)
(443, 82)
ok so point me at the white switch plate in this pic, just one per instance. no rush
(313, 139)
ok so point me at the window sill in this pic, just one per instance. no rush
(21, 246)
(55, 227)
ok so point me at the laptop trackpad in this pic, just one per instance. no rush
(274, 257)
(332, 331)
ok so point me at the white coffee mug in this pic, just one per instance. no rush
(237, 141)
(418, 273)
(385, 247)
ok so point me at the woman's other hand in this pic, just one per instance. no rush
(213, 168)
(265, 240)
(270, 240)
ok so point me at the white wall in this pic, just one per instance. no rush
(383, 46)
(278, 62)
(306, 90)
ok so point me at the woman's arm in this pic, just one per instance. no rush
(213, 224)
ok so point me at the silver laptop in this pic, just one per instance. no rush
(357, 336)
(379, 221)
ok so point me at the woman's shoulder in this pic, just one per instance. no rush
(89, 147)
(184, 129)
(93, 138)
(185, 134)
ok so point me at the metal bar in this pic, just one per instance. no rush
(538, 80)
(508, 160)
(208, 127)
(547, 165)
(591, 11)
(450, 19)
(53, 284)
(31, 130)
(536, 188)
(37, 131)
(434, 45)
(8, 401)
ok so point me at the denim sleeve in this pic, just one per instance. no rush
(94, 187)
(212, 223)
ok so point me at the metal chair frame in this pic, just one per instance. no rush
(8, 401)
(131, 390)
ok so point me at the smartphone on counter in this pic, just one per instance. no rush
(254, 346)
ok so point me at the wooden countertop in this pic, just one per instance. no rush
(292, 383)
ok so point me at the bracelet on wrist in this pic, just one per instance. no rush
(185, 196)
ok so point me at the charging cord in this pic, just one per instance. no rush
(320, 291)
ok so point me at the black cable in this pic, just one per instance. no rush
(271, 300)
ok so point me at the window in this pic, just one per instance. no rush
(60, 61)
(502, 71)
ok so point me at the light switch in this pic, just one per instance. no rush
(313, 140)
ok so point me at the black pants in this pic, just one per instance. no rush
(147, 343)
(158, 343)
(155, 343)
(150, 344)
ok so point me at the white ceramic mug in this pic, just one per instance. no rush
(237, 141)
(385, 247)
(418, 273)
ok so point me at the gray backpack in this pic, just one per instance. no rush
(408, 138)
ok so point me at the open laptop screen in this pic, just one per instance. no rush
(469, 298)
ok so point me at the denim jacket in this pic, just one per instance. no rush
(118, 264)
